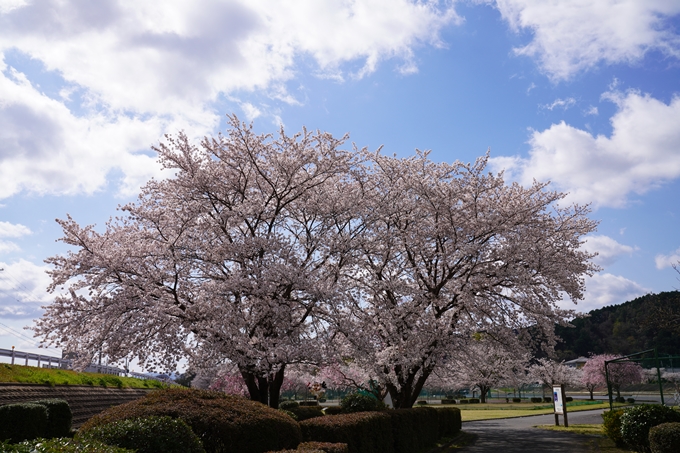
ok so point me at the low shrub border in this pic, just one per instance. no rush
(224, 423)
(24, 421)
(665, 438)
(363, 432)
(59, 417)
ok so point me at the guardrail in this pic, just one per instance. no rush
(51, 362)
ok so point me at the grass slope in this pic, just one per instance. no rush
(34, 375)
(476, 412)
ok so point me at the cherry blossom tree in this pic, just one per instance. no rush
(620, 373)
(549, 372)
(484, 364)
(448, 250)
(227, 261)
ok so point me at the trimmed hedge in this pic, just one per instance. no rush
(288, 405)
(61, 445)
(358, 402)
(517, 400)
(305, 413)
(547, 399)
(448, 401)
(536, 399)
(636, 422)
(23, 421)
(148, 435)
(408, 430)
(333, 410)
(611, 426)
(224, 423)
(59, 417)
(450, 421)
(474, 400)
(309, 403)
(326, 447)
(665, 438)
(363, 432)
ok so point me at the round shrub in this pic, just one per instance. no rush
(665, 438)
(358, 402)
(288, 405)
(305, 413)
(332, 410)
(22, 421)
(517, 400)
(636, 422)
(547, 399)
(612, 426)
(568, 399)
(224, 423)
(537, 399)
(148, 435)
(619, 399)
(630, 400)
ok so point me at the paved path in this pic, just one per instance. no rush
(517, 435)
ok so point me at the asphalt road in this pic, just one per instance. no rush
(518, 435)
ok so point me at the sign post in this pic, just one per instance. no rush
(559, 404)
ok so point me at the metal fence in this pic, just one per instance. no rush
(46, 361)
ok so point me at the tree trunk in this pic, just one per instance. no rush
(483, 391)
(407, 395)
(265, 390)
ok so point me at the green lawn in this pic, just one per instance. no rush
(473, 412)
(34, 375)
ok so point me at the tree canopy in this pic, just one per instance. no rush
(262, 250)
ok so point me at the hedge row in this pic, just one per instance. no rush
(46, 418)
(634, 427)
(394, 431)
(224, 423)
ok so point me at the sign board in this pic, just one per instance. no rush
(558, 400)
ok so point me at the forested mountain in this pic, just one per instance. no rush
(644, 323)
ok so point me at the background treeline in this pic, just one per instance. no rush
(651, 321)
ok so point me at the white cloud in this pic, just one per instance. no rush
(13, 230)
(664, 261)
(607, 289)
(23, 289)
(641, 154)
(574, 35)
(608, 249)
(47, 149)
(561, 103)
(137, 69)
(592, 110)
(8, 247)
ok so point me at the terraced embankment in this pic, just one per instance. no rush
(85, 400)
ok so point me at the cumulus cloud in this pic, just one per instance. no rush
(608, 250)
(13, 230)
(133, 70)
(664, 261)
(574, 35)
(23, 289)
(605, 289)
(641, 154)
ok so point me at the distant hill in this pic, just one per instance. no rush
(644, 323)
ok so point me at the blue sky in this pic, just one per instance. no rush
(582, 93)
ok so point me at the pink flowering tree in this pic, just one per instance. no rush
(448, 250)
(228, 260)
(620, 373)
